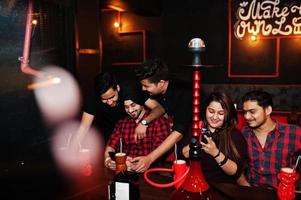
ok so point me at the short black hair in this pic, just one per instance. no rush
(103, 82)
(264, 99)
(152, 70)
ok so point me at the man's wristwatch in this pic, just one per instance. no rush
(144, 122)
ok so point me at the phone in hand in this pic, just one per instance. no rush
(112, 155)
(206, 132)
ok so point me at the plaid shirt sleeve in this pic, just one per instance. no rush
(114, 138)
(160, 131)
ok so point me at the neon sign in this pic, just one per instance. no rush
(267, 18)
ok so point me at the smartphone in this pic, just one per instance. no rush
(112, 155)
(207, 133)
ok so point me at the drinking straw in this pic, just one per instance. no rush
(299, 157)
(176, 155)
(120, 140)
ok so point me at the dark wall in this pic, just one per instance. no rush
(169, 34)
(88, 43)
(178, 22)
(172, 29)
(203, 19)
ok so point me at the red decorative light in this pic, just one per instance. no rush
(196, 109)
(196, 85)
(196, 102)
(195, 125)
(196, 93)
(196, 76)
(196, 117)
(195, 133)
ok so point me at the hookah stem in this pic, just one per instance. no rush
(196, 102)
(120, 140)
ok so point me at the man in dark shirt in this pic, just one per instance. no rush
(107, 103)
(174, 98)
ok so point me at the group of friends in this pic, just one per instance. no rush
(149, 116)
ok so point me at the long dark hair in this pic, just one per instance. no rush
(224, 140)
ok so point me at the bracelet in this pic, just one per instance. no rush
(217, 155)
(223, 161)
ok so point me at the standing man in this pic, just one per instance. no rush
(271, 144)
(157, 131)
(174, 98)
(106, 103)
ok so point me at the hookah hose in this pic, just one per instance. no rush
(164, 185)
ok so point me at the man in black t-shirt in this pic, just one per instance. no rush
(107, 103)
(174, 98)
(104, 104)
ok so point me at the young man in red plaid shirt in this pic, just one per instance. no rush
(271, 144)
(157, 131)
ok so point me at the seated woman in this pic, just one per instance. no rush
(224, 148)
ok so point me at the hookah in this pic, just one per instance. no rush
(189, 181)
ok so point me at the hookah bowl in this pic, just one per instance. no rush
(195, 185)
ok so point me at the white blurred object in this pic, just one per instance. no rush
(57, 94)
(45, 83)
(76, 160)
(235, 106)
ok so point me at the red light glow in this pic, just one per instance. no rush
(76, 160)
(196, 85)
